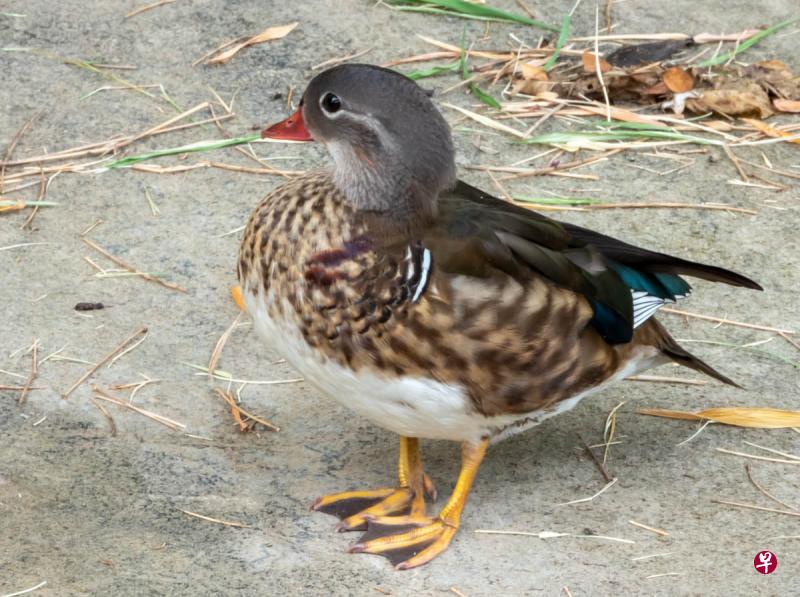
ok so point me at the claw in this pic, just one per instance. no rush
(430, 487)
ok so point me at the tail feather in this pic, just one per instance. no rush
(645, 260)
(657, 335)
(683, 357)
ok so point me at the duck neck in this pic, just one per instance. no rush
(379, 183)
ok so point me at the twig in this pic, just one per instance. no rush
(227, 523)
(127, 350)
(334, 61)
(652, 555)
(661, 532)
(39, 586)
(142, 9)
(551, 535)
(105, 359)
(777, 452)
(608, 15)
(600, 466)
(129, 267)
(524, 172)
(11, 146)
(32, 376)
(107, 415)
(755, 457)
(609, 430)
(789, 340)
(740, 324)
(232, 403)
(696, 433)
(732, 157)
(598, 70)
(664, 205)
(167, 422)
(764, 491)
(223, 339)
(754, 507)
(590, 498)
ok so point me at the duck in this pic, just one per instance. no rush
(434, 309)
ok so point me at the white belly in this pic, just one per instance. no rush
(414, 407)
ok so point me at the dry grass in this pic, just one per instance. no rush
(227, 523)
(118, 349)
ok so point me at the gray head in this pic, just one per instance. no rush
(392, 148)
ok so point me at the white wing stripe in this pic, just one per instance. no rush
(423, 280)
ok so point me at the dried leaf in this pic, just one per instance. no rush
(659, 88)
(532, 73)
(775, 78)
(718, 125)
(678, 80)
(742, 98)
(269, 34)
(785, 105)
(764, 418)
(769, 131)
(534, 81)
(590, 64)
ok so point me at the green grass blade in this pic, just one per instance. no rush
(562, 39)
(432, 72)
(483, 96)
(723, 58)
(439, 11)
(12, 203)
(468, 10)
(193, 148)
(616, 133)
(473, 88)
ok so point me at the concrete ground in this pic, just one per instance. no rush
(93, 513)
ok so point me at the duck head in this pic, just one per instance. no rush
(392, 149)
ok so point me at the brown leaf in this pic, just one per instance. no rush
(534, 80)
(678, 80)
(769, 131)
(776, 78)
(269, 34)
(530, 87)
(785, 105)
(533, 73)
(718, 125)
(742, 98)
(590, 63)
(659, 88)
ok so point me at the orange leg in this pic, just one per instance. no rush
(355, 508)
(411, 541)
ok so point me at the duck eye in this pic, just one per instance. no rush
(331, 103)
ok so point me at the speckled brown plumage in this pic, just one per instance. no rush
(516, 345)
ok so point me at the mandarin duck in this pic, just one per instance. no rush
(434, 309)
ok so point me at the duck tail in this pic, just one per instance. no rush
(678, 354)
